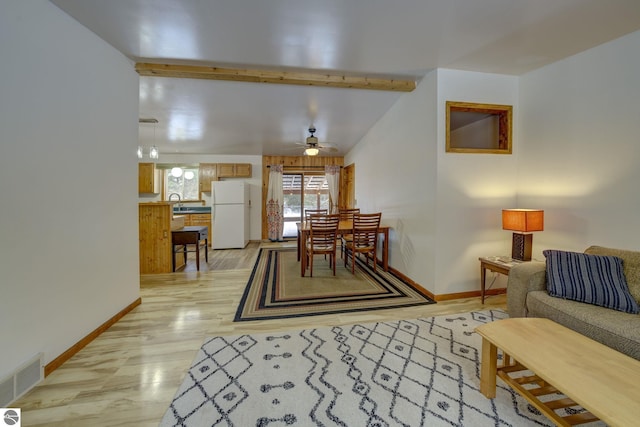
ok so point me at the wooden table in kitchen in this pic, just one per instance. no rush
(344, 227)
(189, 235)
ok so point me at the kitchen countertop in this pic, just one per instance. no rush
(192, 210)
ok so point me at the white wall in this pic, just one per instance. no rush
(396, 172)
(255, 232)
(445, 207)
(575, 155)
(68, 229)
(580, 157)
(472, 189)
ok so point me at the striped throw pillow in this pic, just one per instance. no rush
(593, 279)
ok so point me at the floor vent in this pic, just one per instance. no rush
(21, 380)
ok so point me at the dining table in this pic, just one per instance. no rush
(344, 227)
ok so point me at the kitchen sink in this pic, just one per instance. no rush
(191, 210)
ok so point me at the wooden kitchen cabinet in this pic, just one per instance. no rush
(154, 221)
(234, 170)
(207, 172)
(226, 170)
(148, 178)
(243, 170)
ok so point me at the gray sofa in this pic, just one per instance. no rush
(527, 297)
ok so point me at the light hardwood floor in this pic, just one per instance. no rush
(129, 374)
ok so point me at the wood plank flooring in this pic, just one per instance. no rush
(129, 374)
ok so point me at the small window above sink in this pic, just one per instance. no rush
(180, 180)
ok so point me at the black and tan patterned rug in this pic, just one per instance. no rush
(276, 289)
(420, 372)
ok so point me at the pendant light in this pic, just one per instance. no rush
(154, 153)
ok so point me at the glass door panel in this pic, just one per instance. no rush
(316, 192)
(298, 187)
(291, 188)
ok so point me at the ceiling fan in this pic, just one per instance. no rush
(312, 147)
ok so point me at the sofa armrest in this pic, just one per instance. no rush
(524, 278)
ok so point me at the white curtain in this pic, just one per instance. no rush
(332, 174)
(275, 204)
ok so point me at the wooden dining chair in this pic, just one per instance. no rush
(365, 238)
(323, 236)
(346, 215)
(309, 212)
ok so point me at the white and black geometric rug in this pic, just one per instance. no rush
(422, 372)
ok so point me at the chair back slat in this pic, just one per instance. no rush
(365, 230)
(323, 230)
(309, 212)
(347, 214)
(365, 238)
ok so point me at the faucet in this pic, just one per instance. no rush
(179, 202)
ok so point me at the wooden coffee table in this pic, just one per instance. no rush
(603, 381)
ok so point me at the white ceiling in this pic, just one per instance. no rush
(384, 38)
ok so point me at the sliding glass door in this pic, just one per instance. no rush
(302, 191)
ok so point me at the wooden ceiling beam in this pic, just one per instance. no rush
(281, 77)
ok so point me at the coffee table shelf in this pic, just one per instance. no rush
(538, 388)
(601, 380)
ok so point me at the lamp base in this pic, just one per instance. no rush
(521, 246)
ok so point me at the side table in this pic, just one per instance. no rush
(497, 264)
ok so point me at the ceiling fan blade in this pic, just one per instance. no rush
(329, 149)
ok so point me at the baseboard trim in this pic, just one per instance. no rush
(443, 297)
(469, 294)
(58, 361)
(408, 280)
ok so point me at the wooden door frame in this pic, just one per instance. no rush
(290, 163)
(347, 199)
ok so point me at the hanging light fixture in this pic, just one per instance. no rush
(311, 151)
(312, 143)
(176, 172)
(153, 151)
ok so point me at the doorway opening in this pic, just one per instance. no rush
(302, 191)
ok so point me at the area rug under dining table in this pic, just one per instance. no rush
(419, 372)
(276, 290)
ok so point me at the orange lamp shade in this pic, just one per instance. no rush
(523, 220)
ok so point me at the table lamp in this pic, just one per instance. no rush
(522, 222)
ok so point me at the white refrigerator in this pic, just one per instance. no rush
(230, 214)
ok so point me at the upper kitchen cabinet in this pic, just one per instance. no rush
(149, 179)
(207, 172)
(234, 170)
